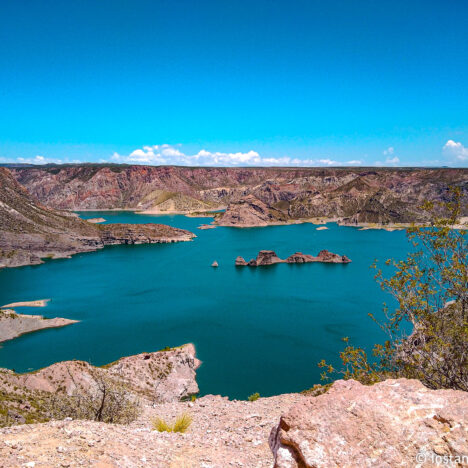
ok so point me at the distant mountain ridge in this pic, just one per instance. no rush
(251, 196)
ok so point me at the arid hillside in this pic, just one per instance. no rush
(30, 231)
(251, 196)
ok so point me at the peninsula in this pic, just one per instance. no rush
(13, 325)
(30, 231)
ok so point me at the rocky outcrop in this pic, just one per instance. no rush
(329, 257)
(240, 261)
(159, 201)
(162, 376)
(224, 434)
(13, 325)
(250, 212)
(269, 257)
(30, 231)
(265, 257)
(392, 423)
(253, 196)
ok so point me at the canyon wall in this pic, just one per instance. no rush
(30, 231)
(252, 196)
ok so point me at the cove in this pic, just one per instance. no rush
(255, 329)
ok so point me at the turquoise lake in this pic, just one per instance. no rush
(255, 329)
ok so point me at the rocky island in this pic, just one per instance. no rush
(269, 257)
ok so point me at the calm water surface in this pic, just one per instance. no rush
(256, 330)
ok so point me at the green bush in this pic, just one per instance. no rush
(254, 397)
(431, 291)
(181, 424)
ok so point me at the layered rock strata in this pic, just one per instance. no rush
(269, 257)
(30, 231)
(253, 196)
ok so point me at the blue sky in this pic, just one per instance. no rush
(257, 82)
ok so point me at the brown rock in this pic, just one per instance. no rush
(392, 423)
(299, 257)
(240, 261)
(329, 257)
(250, 212)
(267, 257)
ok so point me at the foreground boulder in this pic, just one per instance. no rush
(269, 257)
(392, 423)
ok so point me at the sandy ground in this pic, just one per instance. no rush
(223, 434)
(96, 220)
(37, 303)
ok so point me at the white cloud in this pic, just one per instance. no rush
(169, 154)
(389, 150)
(355, 162)
(35, 160)
(394, 160)
(455, 151)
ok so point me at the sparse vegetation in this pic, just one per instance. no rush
(106, 400)
(254, 397)
(181, 424)
(431, 291)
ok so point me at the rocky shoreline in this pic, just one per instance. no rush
(13, 325)
(269, 257)
(390, 423)
(30, 232)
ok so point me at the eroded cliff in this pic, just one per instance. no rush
(30, 231)
(253, 196)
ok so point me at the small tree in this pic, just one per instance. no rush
(431, 291)
(107, 400)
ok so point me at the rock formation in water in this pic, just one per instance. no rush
(13, 325)
(392, 423)
(30, 231)
(215, 264)
(253, 196)
(240, 261)
(269, 257)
